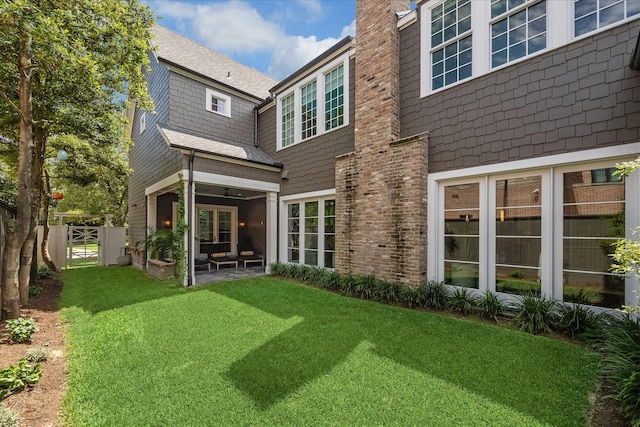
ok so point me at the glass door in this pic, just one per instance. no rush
(217, 227)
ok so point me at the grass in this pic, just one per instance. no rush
(271, 352)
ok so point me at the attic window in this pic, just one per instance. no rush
(218, 103)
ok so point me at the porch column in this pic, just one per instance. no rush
(272, 229)
(152, 209)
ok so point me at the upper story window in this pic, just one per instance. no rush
(516, 31)
(143, 122)
(321, 95)
(593, 14)
(462, 39)
(218, 103)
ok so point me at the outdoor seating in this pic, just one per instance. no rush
(201, 262)
(221, 258)
(249, 257)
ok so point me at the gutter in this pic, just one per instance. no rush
(255, 127)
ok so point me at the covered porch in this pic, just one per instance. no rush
(224, 215)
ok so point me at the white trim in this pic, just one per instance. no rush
(210, 93)
(407, 20)
(232, 181)
(165, 183)
(309, 195)
(319, 77)
(143, 122)
(224, 159)
(272, 229)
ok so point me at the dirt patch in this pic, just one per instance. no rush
(40, 405)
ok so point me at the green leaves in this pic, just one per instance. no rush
(16, 377)
(21, 329)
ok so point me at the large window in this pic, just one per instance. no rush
(589, 15)
(317, 105)
(310, 230)
(549, 231)
(451, 42)
(462, 39)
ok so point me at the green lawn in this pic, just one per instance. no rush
(271, 352)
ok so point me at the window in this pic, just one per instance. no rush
(319, 104)
(451, 42)
(516, 34)
(545, 231)
(287, 120)
(218, 103)
(334, 98)
(462, 39)
(309, 103)
(314, 242)
(143, 122)
(589, 15)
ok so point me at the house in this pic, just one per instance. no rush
(468, 142)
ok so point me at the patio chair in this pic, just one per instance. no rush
(249, 257)
(221, 258)
(201, 262)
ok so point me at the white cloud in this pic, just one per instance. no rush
(349, 30)
(236, 27)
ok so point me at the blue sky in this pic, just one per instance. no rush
(276, 37)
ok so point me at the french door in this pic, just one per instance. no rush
(218, 224)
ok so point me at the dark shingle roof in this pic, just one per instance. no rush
(188, 140)
(188, 54)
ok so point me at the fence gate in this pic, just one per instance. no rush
(83, 246)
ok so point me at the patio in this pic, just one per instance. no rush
(225, 274)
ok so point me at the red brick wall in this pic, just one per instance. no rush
(381, 187)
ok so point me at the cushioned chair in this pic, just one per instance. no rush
(201, 262)
(221, 258)
(249, 257)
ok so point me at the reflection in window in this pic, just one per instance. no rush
(517, 34)
(462, 235)
(293, 232)
(593, 218)
(329, 233)
(309, 110)
(518, 234)
(593, 14)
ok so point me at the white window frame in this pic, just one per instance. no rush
(560, 30)
(551, 168)
(210, 94)
(319, 77)
(316, 196)
(143, 122)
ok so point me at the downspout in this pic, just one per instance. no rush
(255, 126)
(190, 229)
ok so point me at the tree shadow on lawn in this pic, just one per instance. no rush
(99, 289)
(508, 367)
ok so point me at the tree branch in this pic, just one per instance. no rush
(6, 98)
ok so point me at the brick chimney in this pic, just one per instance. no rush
(381, 186)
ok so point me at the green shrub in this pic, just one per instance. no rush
(621, 364)
(516, 274)
(8, 418)
(38, 354)
(21, 329)
(14, 378)
(348, 286)
(433, 294)
(366, 287)
(277, 269)
(576, 319)
(389, 292)
(44, 271)
(461, 301)
(490, 305)
(330, 280)
(535, 313)
(34, 290)
(409, 296)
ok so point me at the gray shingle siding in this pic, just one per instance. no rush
(150, 158)
(310, 164)
(577, 97)
(187, 110)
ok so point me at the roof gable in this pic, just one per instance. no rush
(188, 54)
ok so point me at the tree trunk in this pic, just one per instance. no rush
(46, 203)
(26, 255)
(18, 229)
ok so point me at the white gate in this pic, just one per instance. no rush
(83, 246)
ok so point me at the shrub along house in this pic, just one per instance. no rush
(467, 142)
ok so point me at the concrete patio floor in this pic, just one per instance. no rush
(226, 273)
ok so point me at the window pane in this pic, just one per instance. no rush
(461, 274)
(585, 7)
(519, 280)
(334, 100)
(522, 33)
(308, 111)
(311, 257)
(593, 210)
(498, 7)
(287, 120)
(612, 14)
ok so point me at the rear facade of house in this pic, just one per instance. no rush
(467, 142)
